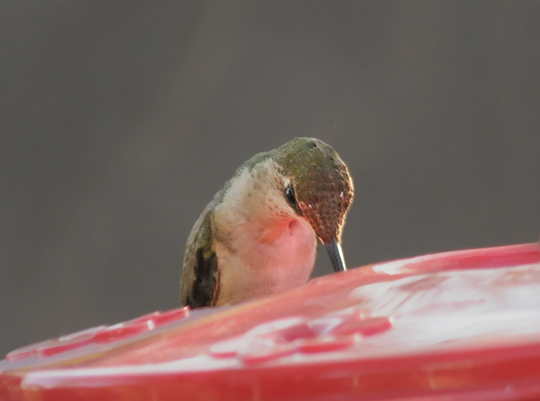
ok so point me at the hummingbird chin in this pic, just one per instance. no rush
(258, 236)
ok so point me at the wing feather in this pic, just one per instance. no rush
(200, 275)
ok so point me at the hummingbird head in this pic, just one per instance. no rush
(320, 190)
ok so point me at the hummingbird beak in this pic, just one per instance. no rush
(336, 255)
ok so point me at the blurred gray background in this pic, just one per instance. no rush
(120, 120)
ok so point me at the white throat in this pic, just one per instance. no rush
(262, 246)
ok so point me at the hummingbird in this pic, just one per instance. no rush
(258, 236)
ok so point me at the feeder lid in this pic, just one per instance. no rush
(452, 326)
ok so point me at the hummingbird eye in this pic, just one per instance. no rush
(291, 198)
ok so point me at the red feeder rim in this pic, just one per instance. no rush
(459, 325)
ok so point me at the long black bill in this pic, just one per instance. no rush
(336, 255)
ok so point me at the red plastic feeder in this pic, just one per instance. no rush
(452, 326)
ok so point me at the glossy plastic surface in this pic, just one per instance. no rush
(454, 326)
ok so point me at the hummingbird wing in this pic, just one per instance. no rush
(199, 285)
(200, 276)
